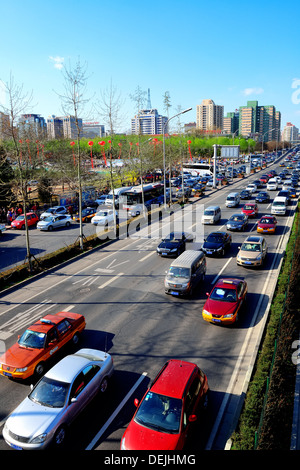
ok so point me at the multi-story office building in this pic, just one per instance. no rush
(32, 126)
(63, 127)
(290, 133)
(149, 122)
(209, 116)
(231, 123)
(93, 129)
(263, 121)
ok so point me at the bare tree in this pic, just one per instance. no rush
(74, 101)
(16, 103)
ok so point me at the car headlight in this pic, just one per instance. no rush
(123, 447)
(205, 312)
(22, 369)
(228, 315)
(39, 439)
(173, 250)
(187, 284)
(259, 257)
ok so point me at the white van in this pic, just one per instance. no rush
(185, 273)
(212, 215)
(232, 200)
(279, 205)
(272, 184)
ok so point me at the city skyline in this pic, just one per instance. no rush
(205, 52)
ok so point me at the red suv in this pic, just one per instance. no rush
(163, 418)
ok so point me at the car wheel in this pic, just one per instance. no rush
(104, 385)
(60, 437)
(50, 228)
(67, 224)
(75, 339)
(39, 370)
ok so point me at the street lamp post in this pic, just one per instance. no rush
(164, 150)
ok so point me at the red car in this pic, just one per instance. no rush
(19, 222)
(264, 179)
(267, 224)
(250, 209)
(39, 343)
(225, 301)
(165, 415)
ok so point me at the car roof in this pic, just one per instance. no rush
(173, 378)
(68, 367)
(254, 239)
(229, 283)
(45, 324)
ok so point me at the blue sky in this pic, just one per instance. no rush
(230, 52)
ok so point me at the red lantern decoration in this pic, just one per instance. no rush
(102, 143)
(91, 143)
(189, 142)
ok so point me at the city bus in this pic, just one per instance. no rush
(199, 169)
(132, 200)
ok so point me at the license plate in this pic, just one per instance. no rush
(174, 292)
(8, 374)
(209, 252)
(14, 446)
(216, 320)
(165, 254)
(247, 262)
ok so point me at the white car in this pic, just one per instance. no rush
(56, 210)
(103, 217)
(59, 396)
(252, 188)
(272, 184)
(55, 221)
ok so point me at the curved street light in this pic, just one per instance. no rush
(164, 149)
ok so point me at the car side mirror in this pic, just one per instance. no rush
(136, 402)
(207, 293)
(73, 400)
(192, 418)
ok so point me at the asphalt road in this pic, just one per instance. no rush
(119, 288)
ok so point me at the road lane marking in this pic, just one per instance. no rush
(147, 256)
(110, 281)
(115, 413)
(219, 274)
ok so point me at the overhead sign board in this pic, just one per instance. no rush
(230, 151)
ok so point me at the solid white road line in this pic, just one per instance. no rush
(110, 280)
(219, 274)
(115, 413)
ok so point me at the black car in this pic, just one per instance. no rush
(258, 183)
(263, 196)
(245, 194)
(237, 222)
(173, 244)
(216, 243)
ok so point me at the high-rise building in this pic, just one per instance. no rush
(262, 121)
(231, 123)
(93, 129)
(209, 116)
(32, 125)
(290, 133)
(149, 122)
(63, 127)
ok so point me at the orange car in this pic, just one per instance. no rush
(39, 343)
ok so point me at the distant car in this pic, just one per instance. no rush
(264, 179)
(285, 193)
(272, 184)
(55, 221)
(245, 194)
(39, 343)
(100, 200)
(253, 251)
(55, 210)
(263, 197)
(237, 222)
(252, 188)
(103, 217)
(164, 417)
(258, 183)
(173, 244)
(86, 214)
(225, 301)
(44, 416)
(267, 224)
(293, 193)
(217, 243)
(19, 222)
(250, 209)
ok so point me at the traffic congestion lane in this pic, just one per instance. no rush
(121, 325)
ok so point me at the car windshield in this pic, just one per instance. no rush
(20, 217)
(179, 272)
(248, 207)
(50, 392)
(225, 295)
(266, 220)
(160, 413)
(214, 238)
(236, 218)
(251, 247)
(32, 339)
(174, 236)
(102, 213)
(262, 194)
(49, 219)
(208, 212)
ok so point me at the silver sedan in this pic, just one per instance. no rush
(55, 221)
(64, 391)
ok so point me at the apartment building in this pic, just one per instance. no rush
(231, 123)
(209, 116)
(32, 126)
(63, 127)
(290, 133)
(263, 121)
